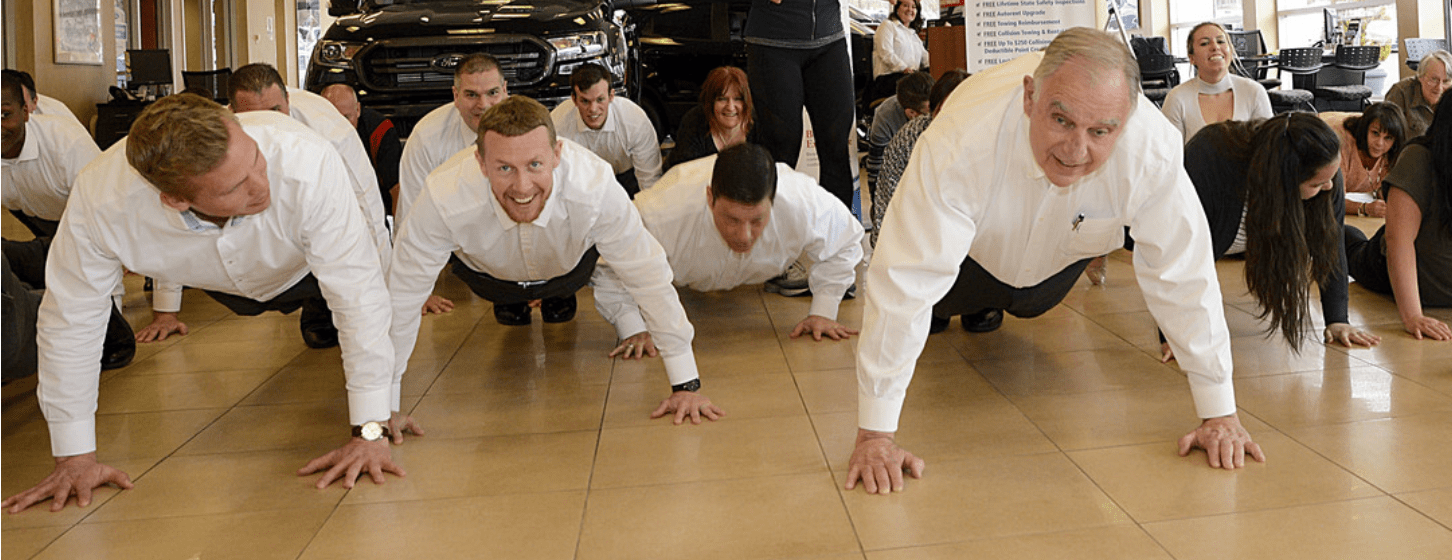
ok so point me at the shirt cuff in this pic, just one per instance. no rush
(629, 324)
(76, 437)
(878, 414)
(824, 305)
(1212, 399)
(681, 368)
(166, 297)
(397, 396)
(369, 406)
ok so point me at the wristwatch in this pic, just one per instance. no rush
(692, 386)
(371, 431)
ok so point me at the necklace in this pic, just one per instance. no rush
(723, 142)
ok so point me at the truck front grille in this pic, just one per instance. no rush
(411, 64)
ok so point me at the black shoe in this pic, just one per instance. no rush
(939, 324)
(512, 314)
(316, 323)
(557, 310)
(119, 347)
(851, 292)
(320, 336)
(987, 320)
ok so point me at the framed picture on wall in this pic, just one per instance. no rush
(77, 31)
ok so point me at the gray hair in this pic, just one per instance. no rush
(1099, 49)
(1439, 55)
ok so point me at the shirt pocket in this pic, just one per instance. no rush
(1093, 237)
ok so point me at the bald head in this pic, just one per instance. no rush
(345, 100)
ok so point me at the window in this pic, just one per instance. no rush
(1186, 14)
(1303, 23)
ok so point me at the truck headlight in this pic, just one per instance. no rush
(337, 53)
(582, 45)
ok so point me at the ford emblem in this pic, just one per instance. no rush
(446, 61)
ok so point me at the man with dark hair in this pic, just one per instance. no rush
(900, 148)
(526, 215)
(910, 102)
(739, 218)
(1020, 182)
(478, 85)
(379, 137)
(615, 128)
(42, 156)
(258, 87)
(37, 103)
(244, 207)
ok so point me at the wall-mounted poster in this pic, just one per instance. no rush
(77, 31)
(1001, 30)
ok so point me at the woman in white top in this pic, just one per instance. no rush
(896, 48)
(1214, 94)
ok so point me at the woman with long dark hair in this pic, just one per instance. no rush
(1370, 143)
(1272, 190)
(722, 119)
(1411, 256)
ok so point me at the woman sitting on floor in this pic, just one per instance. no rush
(1370, 143)
(1411, 256)
(1272, 191)
(723, 119)
(1215, 94)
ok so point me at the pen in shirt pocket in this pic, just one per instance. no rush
(1078, 220)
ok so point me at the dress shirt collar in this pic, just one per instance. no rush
(31, 149)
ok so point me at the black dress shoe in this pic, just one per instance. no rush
(320, 336)
(557, 310)
(987, 320)
(938, 324)
(512, 314)
(119, 347)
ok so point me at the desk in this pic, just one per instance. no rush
(113, 120)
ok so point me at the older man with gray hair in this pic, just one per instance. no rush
(1019, 183)
(1418, 95)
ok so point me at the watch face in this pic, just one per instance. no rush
(372, 431)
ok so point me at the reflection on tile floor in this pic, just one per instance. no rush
(1051, 438)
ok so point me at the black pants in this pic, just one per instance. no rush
(24, 287)
(305, 294)
(507, 292)
(976, 290)
(785, 80)
(1365, 260)
(41, 227)
(628, 180)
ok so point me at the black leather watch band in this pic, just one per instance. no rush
(692, 386)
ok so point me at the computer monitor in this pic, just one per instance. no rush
(1331, 32)
(148, 67)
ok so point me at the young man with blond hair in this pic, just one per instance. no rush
(527, 215)
(244, 207)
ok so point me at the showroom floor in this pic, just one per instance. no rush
(1050, 438)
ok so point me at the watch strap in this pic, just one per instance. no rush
(692, 386)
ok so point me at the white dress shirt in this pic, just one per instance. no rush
(806, 224)
(457, 214)
(973, 188)
(626, 140)
(116, 220)
(47, 105)
(436, 138)
(38, 181)
(318, 114)
(896, 48)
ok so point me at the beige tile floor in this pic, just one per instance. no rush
(1051, 438)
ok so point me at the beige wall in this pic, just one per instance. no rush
(1418, 18)
(80, 87)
